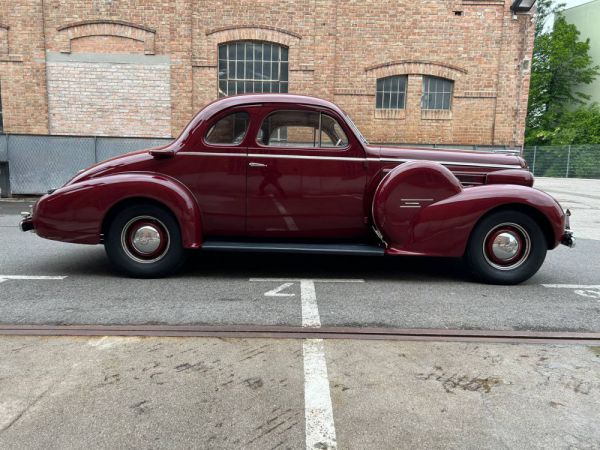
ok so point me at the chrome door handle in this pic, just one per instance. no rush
(255, 164)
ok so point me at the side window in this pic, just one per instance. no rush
(301, 129)
(332, 134)
(230, 129)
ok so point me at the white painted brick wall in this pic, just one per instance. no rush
(108, 99)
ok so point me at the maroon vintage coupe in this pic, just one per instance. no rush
(288, 173)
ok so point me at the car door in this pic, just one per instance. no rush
(306, 176)
(214, 168)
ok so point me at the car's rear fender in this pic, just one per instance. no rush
(421, 208)
(78, 212)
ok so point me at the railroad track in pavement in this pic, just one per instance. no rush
(290, 332)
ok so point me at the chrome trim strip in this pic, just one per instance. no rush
(210, 154)
(451, 163)
(347, 158)
(327, 158)
(416, 199)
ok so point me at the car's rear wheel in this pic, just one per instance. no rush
(144, 241)
(506, 247)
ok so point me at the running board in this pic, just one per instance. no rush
(293, 247)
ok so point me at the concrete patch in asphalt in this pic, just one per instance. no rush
(150, 393)
(390, 395)
(248, 393)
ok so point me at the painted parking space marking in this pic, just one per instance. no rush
(583, 290)
(318, 410)
(310, 310)
(30, 277)
(277, 291)
(314, 280)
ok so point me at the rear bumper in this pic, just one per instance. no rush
(26, 223)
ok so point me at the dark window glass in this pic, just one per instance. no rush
(301, 129)
(248, 66)
(230, 129)
(332, 134)
(391, 92)
(437, 93)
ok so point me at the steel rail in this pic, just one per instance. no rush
(290, 332)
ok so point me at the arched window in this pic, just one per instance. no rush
(251, 66)
(391, 92)
(437, 93)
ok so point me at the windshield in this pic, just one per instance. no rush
(355, 129)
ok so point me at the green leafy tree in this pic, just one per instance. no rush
(577, 127)
(560, 62)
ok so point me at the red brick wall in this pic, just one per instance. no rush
(337, 50)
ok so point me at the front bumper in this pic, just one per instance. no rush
(26, 222)
(567, 238)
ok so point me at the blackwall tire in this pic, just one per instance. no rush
(506, 247)
(144, 241)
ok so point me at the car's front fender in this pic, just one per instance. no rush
(75, 212)
(443, 228)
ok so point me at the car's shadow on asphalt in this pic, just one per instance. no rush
(276, 265)
(92, 262)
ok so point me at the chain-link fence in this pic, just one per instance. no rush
(31, 164)
(564, 161)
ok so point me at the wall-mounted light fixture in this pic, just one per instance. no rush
(522, 5)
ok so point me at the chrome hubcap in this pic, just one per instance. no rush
(505, 246)
(146, 239)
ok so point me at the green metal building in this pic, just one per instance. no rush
(586, 18)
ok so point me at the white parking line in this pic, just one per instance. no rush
(277, 291)
(318, 410)
(310, 310)
(583, 290)
(30, 277)
(314, 280)
(572, 286)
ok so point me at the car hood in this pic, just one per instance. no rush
(460, 157)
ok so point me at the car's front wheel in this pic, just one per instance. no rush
(144, 241)
(506, 247)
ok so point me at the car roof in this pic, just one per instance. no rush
(247, 99)
(225, 103)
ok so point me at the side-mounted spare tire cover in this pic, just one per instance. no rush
(404, 192)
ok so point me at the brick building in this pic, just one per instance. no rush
(430, 71)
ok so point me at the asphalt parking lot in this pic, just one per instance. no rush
(248, 393)
(244, 288)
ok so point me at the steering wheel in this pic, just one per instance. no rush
(339, 141)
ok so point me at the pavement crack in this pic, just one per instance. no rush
(27, 408)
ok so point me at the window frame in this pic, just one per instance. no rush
(317, 111)
(404, 93)
(424, 94)
(280, 62)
